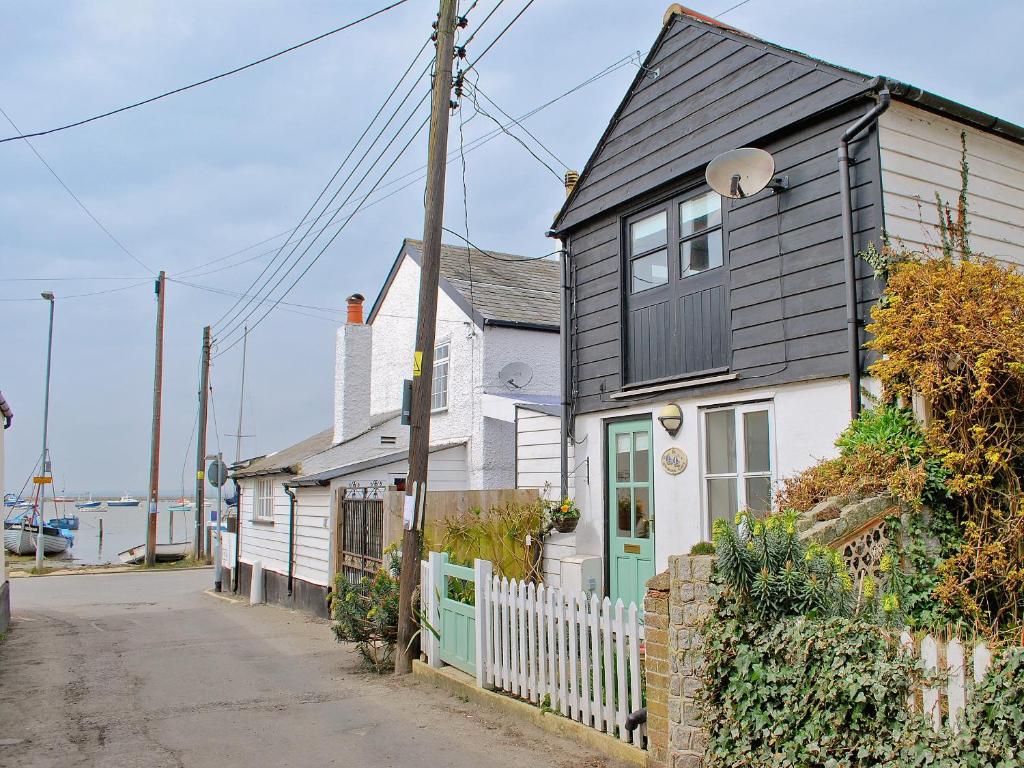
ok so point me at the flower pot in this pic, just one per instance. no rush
(567, 525)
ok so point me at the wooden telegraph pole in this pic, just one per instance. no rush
(204, 396)
(423, 362)
(154, 450)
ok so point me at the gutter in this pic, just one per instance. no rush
(952, 109)
(849, 257)
(563, 441)
(521, 324)
(291, 538)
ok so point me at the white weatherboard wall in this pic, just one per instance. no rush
(920, 155)
(808, 418)
(313, 535)
(538, 459)
(446, 471)
(265, 541)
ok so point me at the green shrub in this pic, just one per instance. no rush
(366, 613)
(994, 719)
(702, 548)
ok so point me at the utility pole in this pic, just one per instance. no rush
(154, 449)
(423, 361)
(44, 466)
(204, 396)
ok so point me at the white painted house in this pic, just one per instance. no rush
(497, 346)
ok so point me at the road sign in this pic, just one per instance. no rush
(42, 480)
(217, 473)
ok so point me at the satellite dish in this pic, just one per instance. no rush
(740, 172)
(515, 375)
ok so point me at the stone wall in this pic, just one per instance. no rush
(677, 603)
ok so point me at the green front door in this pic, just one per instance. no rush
(630, 509)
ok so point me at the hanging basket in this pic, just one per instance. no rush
(567, 526)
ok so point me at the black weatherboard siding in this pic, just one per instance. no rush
(784, 315)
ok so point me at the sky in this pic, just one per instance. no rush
(195, 183)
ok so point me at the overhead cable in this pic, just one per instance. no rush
(207, 80)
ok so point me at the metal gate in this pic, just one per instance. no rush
(360, 530)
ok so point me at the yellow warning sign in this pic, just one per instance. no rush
(42, 480)
(417, 364)
(200, 475)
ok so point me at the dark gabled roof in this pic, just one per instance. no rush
(493, 288)
(288, 460)
(865, 84)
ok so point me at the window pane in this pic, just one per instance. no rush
(641, 457)
(755, 436)
(648, 233)
(440, 353)
(759, 494)
(642, 512)
(439, 383)
(722, 499)
(622, 458)
(700, 213)
(624, 512)
(650, 271)
(721, 442)
(701, 253)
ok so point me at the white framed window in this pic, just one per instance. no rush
(439, 382)
(263, 500)
(737, 460)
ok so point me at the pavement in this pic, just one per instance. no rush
(144, 669)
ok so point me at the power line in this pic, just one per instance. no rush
(338, 232)
(733, 8)
(490, 255)
(64, 279)
(231, 314)
(496, 39)
(74, 197)
(207, 80)
(476, 90)
(83, 295)
(417, 174)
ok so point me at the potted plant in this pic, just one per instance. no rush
(564, 515)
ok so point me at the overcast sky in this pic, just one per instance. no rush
(207, 173)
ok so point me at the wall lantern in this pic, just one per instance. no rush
(671, 418)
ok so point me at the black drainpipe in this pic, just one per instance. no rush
(849, 258)
(563, 454)
(238, 533)
(291, 537)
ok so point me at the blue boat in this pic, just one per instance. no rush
(90, 504)
(64, 522)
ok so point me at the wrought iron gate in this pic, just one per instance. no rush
(361, 530)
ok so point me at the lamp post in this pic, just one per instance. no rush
(44, 469)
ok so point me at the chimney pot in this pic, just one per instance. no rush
(571, 177)
(355, 309)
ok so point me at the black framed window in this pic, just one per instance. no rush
(700, 232)
(648, 241)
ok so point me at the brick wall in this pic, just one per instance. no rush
(677, 603)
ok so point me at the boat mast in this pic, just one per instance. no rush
(241, 399)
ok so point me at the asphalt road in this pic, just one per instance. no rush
(143, 669)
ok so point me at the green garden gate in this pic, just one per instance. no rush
(455, 602)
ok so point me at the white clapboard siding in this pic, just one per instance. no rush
(538, 458)
(266, 541)
(576, 654)
(959, 667)
(313, 535)
(920, 155)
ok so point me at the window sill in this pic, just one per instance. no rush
(637, 390)
(263, 521)
(434, 411)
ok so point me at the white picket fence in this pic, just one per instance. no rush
(944, 703)
(574, 654)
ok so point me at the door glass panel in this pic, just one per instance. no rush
(701, 253)
(700, 213)
(759, 494)
(755, 433)
(623, 511)
(641, 497)
(648, 233)
(721, 442)
(649, 271)
(722, 498)
(641, 457)
(622, 458)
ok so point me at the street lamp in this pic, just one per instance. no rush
(48, 295)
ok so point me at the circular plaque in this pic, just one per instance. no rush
(674, 461)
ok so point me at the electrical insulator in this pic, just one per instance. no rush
(463, 22)
(460, 51)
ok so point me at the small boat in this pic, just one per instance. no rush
(20, 538)
(14, 500)
(64, 522)
(181, 505)
(124, 501)
(90, 504)
(165, 553)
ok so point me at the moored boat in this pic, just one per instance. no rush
(64, 522)
(89, 504)
(124, 501)
(20, 538)
(165, 553)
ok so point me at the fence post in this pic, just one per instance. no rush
(481, 611)
(435, 589)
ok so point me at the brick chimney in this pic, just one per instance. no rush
(355, 309)
(571, 177)
(352, 363)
